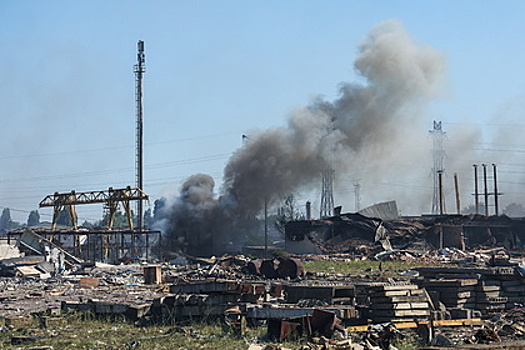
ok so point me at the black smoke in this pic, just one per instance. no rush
(368, 120)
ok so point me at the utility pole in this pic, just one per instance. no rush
(139, 69)
(496, 193)
(456, 187)
(476, 188)
(486, 193)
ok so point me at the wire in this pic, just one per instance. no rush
(121, 170)
(76, 152)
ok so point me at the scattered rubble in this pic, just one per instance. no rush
(462, 296)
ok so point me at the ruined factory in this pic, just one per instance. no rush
(247, 257)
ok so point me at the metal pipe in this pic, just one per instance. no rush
(486, 189)
(476, 190)
(456, 186)
(496, 194)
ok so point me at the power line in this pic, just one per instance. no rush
(104, 149)
(121, 170)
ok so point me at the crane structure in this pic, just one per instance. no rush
(111, 198)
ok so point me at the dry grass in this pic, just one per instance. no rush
(73, 332)
(362, 267)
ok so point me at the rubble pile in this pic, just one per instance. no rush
(481, 290)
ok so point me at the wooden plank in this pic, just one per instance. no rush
(437, 323)
(397, 313)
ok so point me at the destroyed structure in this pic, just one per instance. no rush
(477, 277)
(343, 233)
(107, 244)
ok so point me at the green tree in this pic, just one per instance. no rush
(287, 212)
(514, 210)
(64, 218)
(471, 209)
(34, 218)
(5, 220)
(120, 220)
(158, 206)
(88, 224)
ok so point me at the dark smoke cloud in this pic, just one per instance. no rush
(367, 121)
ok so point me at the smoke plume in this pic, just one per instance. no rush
(367, 124)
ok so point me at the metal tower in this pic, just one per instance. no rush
(140, 69)
(327, 193)
(438, 155)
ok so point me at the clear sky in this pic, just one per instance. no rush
(216, 70)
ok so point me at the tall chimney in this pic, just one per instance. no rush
(308, 210)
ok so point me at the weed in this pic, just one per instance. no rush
(79, 331)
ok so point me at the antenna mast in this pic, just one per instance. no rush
(140, 69)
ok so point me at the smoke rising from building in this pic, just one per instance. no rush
(368, 120)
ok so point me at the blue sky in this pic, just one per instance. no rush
(218, 69)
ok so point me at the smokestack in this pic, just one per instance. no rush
(308, 210)
(496, 194)
(476, 190)
(486, 189)
(456, 186)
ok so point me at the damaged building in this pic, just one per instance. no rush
(347, 232)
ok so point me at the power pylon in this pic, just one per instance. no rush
(327, 193)
(357, 195)
(438, 155)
